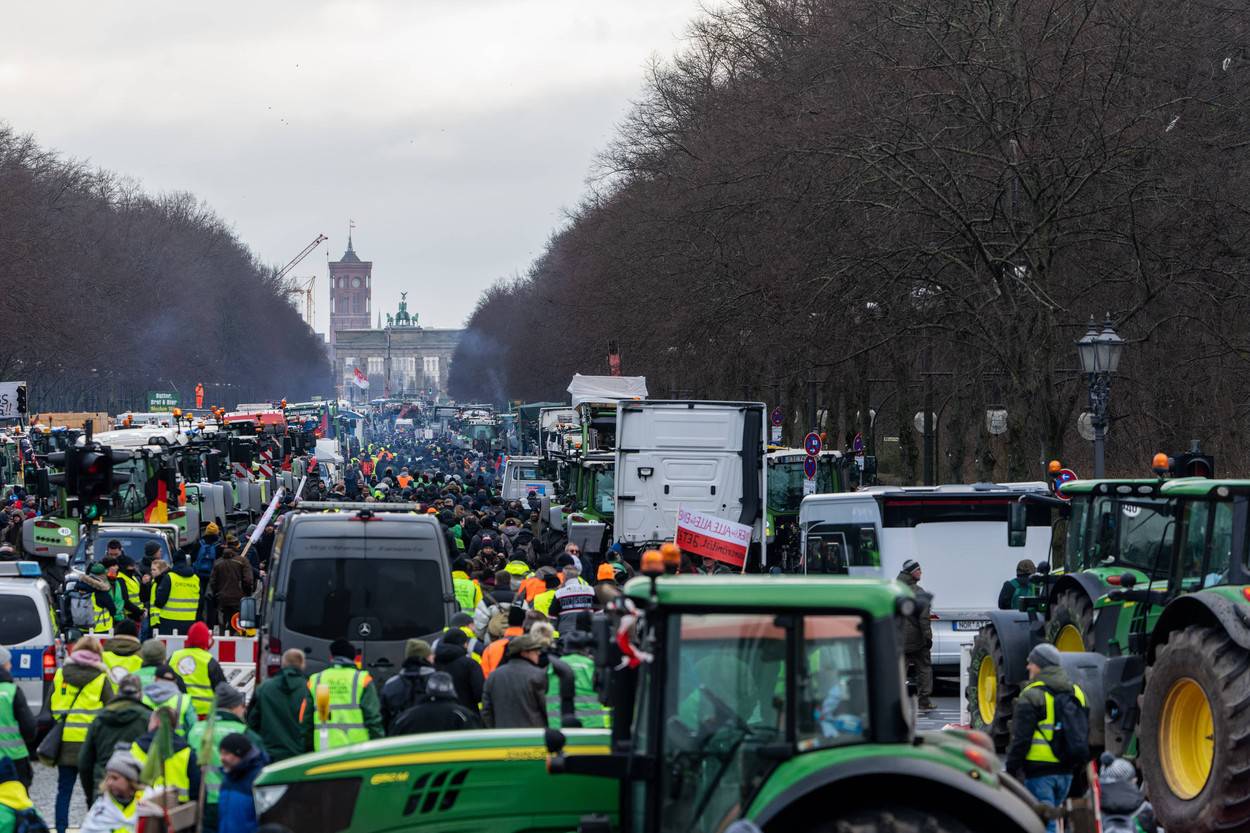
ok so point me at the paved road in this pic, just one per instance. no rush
(43, 793)
(947, 711)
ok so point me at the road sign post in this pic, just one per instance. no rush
(812, 444)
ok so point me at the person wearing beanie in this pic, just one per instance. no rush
(121, 654)
(103, 607)
(17, 723)
(151, 657)
(179, 773)
(227, 720)
(918, 634)
(404, 690)
(354, 712)
(607, 590)
(167, 691)
(175, 598)
(80, 690)
(1124, 807)
(275, 710)
(117, 808)
(468, 593)
(15, 805)
(241, 762)
(571, 598)
(494, 652)
(515, 696)
(452, 656)
(230, 581)
(1029, 755)
(437, 710)
(123, 720)
(200, 673)
(1013, 589)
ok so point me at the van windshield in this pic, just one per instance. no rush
(402, 596)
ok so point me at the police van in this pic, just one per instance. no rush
(28, 627)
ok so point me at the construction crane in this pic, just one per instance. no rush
(308, 287)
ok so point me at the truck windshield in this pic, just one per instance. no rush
(605, 490)
(726, 695)
(785, 484)
(1111, 530)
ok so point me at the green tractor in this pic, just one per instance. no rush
(771, 700)
(1159, 596)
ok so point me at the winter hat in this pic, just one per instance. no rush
(544, 632)
(516, 616)
(212, 529)
(5, 655)
(342, 648)
(236, 744)
(605, 573)
(228, 696)
(130, 686)
(460, 619)
(124, 764)
(563, 560)
(1115, 769)
(417, 648)
(571, 571)
(125, 627)
(524, 642)
(152, 652)
(97, 569)
(198, 636)
(1044, 655)
(911, 565)
(439, 684)
(455, 636)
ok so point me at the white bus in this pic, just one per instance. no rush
(958, 533)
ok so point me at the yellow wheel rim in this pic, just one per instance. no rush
(1186, 738)
(1069, 639)
(987, 690)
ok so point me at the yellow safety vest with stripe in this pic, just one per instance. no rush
(183, 601)
(1040, 750)
(127, 665)
(175, 773)
(191, 664)
(542, 602)
(11, 743)
(77, 709)
(222, 726)
(179, 705)
(347, 720)
(101, 619)
(592, 713)
(468, 594)
(132, 588)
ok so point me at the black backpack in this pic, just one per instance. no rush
(28, 821)
(1070, 742)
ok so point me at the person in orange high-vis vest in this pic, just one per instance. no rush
(493, 654)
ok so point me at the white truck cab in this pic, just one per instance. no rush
(521, 476)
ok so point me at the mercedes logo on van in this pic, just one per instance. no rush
(364, 629)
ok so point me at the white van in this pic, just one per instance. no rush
(703, 456)
(958, 533)
(521, 476)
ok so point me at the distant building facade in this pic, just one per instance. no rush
(398, 358)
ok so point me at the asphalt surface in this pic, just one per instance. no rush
(43, 793)
(947, 711)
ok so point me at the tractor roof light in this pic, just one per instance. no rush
(652, 563)
(1161, 464)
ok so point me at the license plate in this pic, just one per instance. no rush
(971, 624)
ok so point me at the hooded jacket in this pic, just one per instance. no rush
(236, 811)
(274, 713)
(121, 721)
(405, 689)
(917, 629)
(516, 696)
(1029, 710)
(78, 675)
(102, 591)
(161, 692)
(435, 713)
(464, 670)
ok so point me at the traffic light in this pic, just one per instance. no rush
(67, 477)
(21, 399)
(1192, 464)
(96, 478)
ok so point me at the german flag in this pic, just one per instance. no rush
(157, 511)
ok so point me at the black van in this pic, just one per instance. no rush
(374, 574)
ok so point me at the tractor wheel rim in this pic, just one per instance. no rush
(1186, 738)
(1069, 640)
(987, 690)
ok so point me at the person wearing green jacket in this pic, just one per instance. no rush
(15, 802)
(120, 722)
(227, 720)
(276, 709)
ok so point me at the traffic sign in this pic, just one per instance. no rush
(776, 434)
(162, 401)
(809, 468)
(812, 444)
(1061, 477)
(777, 416)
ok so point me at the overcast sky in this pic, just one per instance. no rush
(454, 132)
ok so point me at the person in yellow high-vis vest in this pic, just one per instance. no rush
(227, 720)
(175, 600)
(1030, 756)
(80, 688)
(121, 652)
(103, 609)
(343, 708)
(200, 673)
(117, 808)
(17, 721)
(181, 771)
(467, 591)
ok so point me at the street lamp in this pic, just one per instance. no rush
(1100, 357)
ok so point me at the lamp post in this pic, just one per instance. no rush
(1100, 357)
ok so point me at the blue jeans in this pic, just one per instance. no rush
(1049, 789)
(66, 779)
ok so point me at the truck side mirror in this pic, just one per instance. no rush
(1017, 524)
(247, 612)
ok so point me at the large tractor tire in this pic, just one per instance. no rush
(893, 820)
(1070, 625)
(1194, 736)
(989, 695)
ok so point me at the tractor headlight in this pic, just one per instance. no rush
(266, 797)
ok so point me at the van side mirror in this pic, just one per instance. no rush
(248, 613)
(1017, 524)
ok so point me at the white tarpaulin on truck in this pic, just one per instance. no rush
(606, 388)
